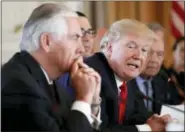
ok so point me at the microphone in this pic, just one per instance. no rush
(142, 96)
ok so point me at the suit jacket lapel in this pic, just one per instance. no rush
(107, 75)
(65, 99)
(110, 90)
(133, 90)
(37, 74)
(156, 94)
(133, 87)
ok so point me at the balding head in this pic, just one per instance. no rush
(48, 17)
(157, 28)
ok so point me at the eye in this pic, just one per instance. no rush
(145, 50)
(83, 31)
(160, 54)
(91, 32)
(131, 45)
(75, 37)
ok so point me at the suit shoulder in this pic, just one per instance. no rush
(13, 70)
(16, 79)
(95, 61)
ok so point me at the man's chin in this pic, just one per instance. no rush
(134, 74)
(149, 75)
(130, 77)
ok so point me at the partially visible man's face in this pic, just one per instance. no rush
(88, 35)
(179, 55)
(69, 47)
(155, 56)
(128, 55)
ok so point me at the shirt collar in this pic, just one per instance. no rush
(141, 80)
(118, 81)
(46, 75)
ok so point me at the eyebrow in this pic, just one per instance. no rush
(74, 33)
(134, 42)
(87, 29)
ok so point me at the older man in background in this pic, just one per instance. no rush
(88, 32)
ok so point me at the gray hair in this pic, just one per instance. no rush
(123, 28)
(154, 26)
(48, 17)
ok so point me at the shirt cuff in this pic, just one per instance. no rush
(97, 120)
(143, 127)
(84, 108)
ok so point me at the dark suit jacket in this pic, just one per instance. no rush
(27, 102)
(163, 91)
(109, 94)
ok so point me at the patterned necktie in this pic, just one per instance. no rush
(122, 102)
(148, 94)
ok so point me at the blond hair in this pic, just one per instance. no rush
(126, 27)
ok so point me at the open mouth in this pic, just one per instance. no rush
(133, 66)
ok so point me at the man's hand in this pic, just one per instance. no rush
(96, 96)
(84, 80)
(166, 118)
(156, 123)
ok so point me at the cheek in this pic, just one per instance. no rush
(161, 62)
(145, 60)
(177, 57)
(120, 57)
(64, 57)
(182, 55)
(91, 44)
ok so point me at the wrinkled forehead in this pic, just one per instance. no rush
(142, 41)
(158, 45)
(73, 25)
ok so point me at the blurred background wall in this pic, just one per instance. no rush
(100, 13)
(145, 11)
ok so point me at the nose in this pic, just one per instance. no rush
(86, 38)
(138, 54)
(154, 57)
(81, 47)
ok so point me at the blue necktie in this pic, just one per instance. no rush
(148, 94)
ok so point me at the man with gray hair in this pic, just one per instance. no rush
(51, 46)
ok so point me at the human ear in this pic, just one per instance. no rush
(45, 42)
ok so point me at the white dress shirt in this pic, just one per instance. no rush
(82, 107)
(141, 128)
